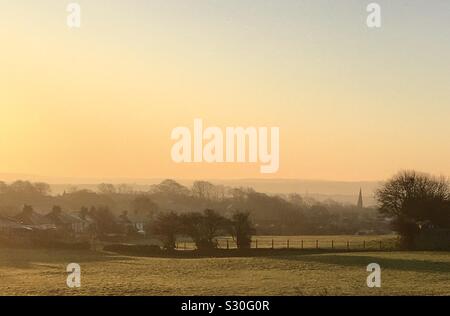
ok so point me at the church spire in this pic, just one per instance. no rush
(360, 199)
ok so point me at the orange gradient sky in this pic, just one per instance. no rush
(101, 101)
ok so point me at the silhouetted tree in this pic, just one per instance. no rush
(167, 225)
(142, 204)
(410, 199)
(124, 188)
(171, 187)
(204, 190)
(105, 220)
(106, 188)
(242, 229)
(204, 227)
(42, 188)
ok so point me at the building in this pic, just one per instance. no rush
(360, 203)
(34, 220)
(89, 222)
(139, 221)
(68, 222)
(10, 226)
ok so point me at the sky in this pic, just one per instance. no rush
(351, 103)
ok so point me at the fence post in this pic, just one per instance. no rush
(228, 246)
(364, 244)
(380, 244)
(302, 243)
(317, 244)
(332, 244)
(256, 243)
(272, 244)
(348, 245)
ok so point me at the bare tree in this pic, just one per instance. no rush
(42, 188)
(410, 199)
(124, 188)
(204, 190)
(106, 188)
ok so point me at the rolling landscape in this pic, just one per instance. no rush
(220, 148)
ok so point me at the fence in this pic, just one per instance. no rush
(297, 243)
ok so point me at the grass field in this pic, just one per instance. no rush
(42, 272)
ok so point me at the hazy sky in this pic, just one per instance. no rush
(352, 103)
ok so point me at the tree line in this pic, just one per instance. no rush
(410, 203)
(203, 228)
(290, 214)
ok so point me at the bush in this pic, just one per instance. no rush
(429, 239)
(242, 229)
(204, 227)
(62, 245)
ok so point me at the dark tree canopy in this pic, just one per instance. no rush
(271, 214)
(242, 229)
(167, 225)
(411, 199)
(143, 205)
(204, 227)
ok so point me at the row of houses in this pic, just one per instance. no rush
(29, 220)
(69, 223)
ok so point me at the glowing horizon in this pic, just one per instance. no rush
(101, 101)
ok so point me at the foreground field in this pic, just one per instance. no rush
(40, 272)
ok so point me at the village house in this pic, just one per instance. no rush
(89, 224)
(9, 226)
(34, 220)
(126, 225)
(13, 233)
(139, 222)
(69, 223)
